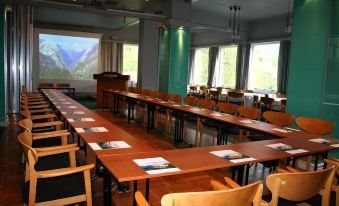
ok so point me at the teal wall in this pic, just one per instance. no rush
(330, 105)
(2, 66)
(174, 60)
(311, 28)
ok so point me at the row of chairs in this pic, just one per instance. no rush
(287, 187)
(52, 174)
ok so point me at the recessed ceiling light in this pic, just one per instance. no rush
(74, 0)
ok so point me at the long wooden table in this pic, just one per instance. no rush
(122, 167)
(70, 90)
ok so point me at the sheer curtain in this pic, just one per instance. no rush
(240, 64)
(111, 56)
(283, 66)
(191, 67)
(213, 56)
(19, 52)
(245, 66)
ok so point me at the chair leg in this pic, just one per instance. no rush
(87, 179)
(197, 131)
(213, 136)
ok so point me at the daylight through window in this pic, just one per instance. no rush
(226, 67)
(200, 73)
(130, 61)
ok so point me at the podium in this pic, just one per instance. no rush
(109, 80)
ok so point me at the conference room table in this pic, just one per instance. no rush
(70, 90)
(120, 164)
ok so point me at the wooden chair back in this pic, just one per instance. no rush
(193, 90)
(249, 112)
(30, 154)
(204, 90)
(62, 85)
(242, 196)
(45, 85)
(227, 108)
(235, 94)
(283, 103)
(25, 114)
(219, 89)
(154, 94)
(137, 90)
(140, 199)
(279, 118)
(190, 100)
(26, 124)
(206, 104)
(130, 89)
(163, 96)
(214, 94)
(174, 98)
(300, 186)
(255, 101)
(146, 92)
(267, 102)
(315, 126)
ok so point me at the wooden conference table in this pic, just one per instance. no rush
(123, 168)
(70, 90)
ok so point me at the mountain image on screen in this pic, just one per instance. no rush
(67, 57)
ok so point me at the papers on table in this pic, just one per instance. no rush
(162, 102)
(196, 109)
(292, 129)
(65, 103)
(156, 165)
(248, 121)
(287, 148)
(325, 141)
(216, 114)
(109, 145)
(232, 156)
(66, 107)
(74, 112)
(176, 105)
(80, 119)
(91, 129)
(281, 130)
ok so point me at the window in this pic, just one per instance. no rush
(130, 61)
(200, 73)
(226, 67)
(263, 68)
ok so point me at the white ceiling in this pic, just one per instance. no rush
(250, 9)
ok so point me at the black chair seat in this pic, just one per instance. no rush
(210, 123)
(52, 162)
(56, 188)
(314, 201)
(191, 117)
(49, 142)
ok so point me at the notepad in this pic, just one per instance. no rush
(232, 156)
(65, 103)
(75, 112)
(91, 129)
(80, 119)
(248, 121)
(176, 105)
(216, 114)
(335, 145)
(320, 140)
(196, 109)
(109, 145)
(281, 130)
(156, 165)
(66, 107)
(287, 148)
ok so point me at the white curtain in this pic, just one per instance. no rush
(111, 56)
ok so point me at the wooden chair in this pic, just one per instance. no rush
(223, 107)
(315, 126)
(47, 117)
(214, 95)
(193, 91)
(154, 93)
(335, 182)
(204, 91)
(248, 113)
(45, 85)
(283, 104)
(161, 111)
(61, 186)
(266, 104)
(206, 104)
(237, 196)
(293, 185)
(235, 98)
(131, 89)
(176, 99)
(191, 101)
(137, 90)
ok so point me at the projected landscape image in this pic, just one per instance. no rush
(67, 57)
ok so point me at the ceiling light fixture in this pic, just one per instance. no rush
(288, 26)
(234, 21)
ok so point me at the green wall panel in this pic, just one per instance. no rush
(2, 66)
(311, 28)
(174, 54)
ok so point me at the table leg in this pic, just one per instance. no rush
(107, 188)
(128, 109)
(176, 130)
(240, 175)
(316, 162)
(135, 188)
(147, 189)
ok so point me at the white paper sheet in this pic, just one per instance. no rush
(334, 145)
(216, 114)
(157, 162)
(91, 129)
(319, 140)
(224, 153)
(248, 121)
(75, 112)
(281, 130)
(296, 151)
(114, 144)
(80, 119)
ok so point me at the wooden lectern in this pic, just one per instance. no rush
(109, 80)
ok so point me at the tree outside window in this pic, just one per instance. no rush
(200, 73)
(130, 61)
(226, 67)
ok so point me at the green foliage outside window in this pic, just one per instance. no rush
(130, 61)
